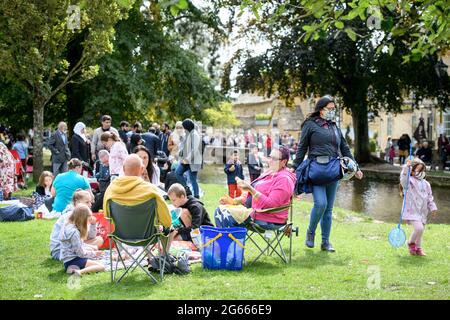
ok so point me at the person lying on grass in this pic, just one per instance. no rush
(76, 257)
(92, 240)
(193, 214)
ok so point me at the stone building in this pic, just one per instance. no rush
(264, 114)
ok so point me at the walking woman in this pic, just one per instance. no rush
(322, 140)
(190, 156)
(80, 145)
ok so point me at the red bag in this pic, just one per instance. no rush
(103, 229)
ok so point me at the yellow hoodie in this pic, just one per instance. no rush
(131, 190)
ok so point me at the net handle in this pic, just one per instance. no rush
(407, 187)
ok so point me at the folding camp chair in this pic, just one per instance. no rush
(135, 226)
(273, 245)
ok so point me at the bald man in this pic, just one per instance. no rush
(131, 190)
(59, 146)
(133, 166)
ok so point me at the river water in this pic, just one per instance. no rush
(377, 199)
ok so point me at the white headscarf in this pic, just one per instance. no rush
(78, 128)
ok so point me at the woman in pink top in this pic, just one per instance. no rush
(117, 152)
(419, 203)
(273, 189)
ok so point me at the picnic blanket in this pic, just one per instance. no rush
(177, 249)
(105, 258)
(185, 248)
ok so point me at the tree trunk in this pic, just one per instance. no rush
(74, 95)
(361, 127)
(38, 138)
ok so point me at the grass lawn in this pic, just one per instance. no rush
(27, 272)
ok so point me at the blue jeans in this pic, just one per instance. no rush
(268, 225)
(181, 169)
(322, 210)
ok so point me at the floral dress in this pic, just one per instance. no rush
(7, 171)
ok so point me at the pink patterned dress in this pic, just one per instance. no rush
(419, 199)
(7, 171)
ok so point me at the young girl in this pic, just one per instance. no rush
(76, 256)
(419, 203)
(94, 241)
(117, 152)
(391, 154)
(44, 187)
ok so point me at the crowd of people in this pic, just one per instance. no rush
(251, 138)
(131, 166)
(420, 149)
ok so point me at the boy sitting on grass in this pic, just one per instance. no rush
(193, 214)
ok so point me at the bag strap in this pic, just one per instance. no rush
(236, 240)
(272, 210)
(211, 241)
(338, 139)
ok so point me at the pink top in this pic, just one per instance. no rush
(276, 191)
(117, 157)
(419, 199)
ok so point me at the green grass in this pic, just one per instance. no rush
(26, 269)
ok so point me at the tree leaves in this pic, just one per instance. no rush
(178, 6)
(350, 33)
(339, 24)
(431, 18)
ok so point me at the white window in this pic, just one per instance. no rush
(389, 125)
(447, 124)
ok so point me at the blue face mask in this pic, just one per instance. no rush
(330, 115)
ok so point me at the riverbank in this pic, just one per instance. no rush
(364, 267)
(390, 173)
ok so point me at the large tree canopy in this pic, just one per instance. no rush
(33, 40)
(147, 67)
(425, 22)
(367, 79)
(147, 77)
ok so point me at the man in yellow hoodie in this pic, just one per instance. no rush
(131, 190)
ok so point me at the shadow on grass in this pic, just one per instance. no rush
(313, 259)
(56, 270)
(51, 263)
(133, 285)
(408, 260)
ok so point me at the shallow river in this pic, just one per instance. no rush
(379, 200)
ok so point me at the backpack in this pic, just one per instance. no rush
(177, 265)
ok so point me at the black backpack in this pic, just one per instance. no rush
(177, 265)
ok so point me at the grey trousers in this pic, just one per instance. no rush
(59, 168)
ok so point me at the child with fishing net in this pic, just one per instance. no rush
(419, 202)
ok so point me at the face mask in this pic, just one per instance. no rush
(330, 115)
(420, 175)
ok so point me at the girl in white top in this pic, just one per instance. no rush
(117, 152)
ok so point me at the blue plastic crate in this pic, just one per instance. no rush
(223, 248)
